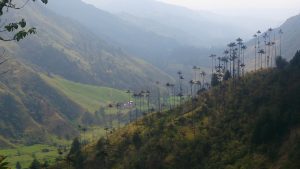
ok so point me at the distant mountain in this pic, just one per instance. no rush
(66, 48)
(130, 37)
(290, 37)
(196, 28)
(145, 38)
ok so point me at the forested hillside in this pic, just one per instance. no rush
(31, 110)
(250, 123)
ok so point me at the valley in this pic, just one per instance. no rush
(146, 84)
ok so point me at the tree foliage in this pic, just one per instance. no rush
(35, 164)
(19, 29)
(75, 156)
(215, 80)
(3, 164)
(281, 63)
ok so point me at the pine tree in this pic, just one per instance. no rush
(75, 155)
(35, 164)
(214, 80)
(18, 165)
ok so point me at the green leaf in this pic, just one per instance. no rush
(22, 23)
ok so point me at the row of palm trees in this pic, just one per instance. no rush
(144, 101)
(266, 47)
(198, 83)
(232, 62)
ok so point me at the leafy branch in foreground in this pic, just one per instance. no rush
(3, 164)
(17, 29)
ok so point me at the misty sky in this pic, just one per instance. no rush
(277, 10)
(234, 4)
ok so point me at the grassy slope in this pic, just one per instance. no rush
(87, 96)
(255, 126)
(26, 154)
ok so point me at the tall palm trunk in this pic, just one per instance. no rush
(258, 48)
(274, 45)
(280, 44)
(255, 51)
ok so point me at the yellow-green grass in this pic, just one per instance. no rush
(26, 154)
(88, 97)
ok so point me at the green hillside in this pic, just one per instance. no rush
(88, 97)
(25, 154)
(66, 48)
(252, 123)
(31, 110)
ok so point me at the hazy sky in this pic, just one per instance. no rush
(277, 9)
(262, 13)
(232, 4)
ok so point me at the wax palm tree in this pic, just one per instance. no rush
(110, 107)
(280, 42)
(232, 56)
(255, 50)
(172, 95)
(265, 36)
(226, 59)
(212, 56)
(140, 97)
(168, 85)
(244, 47)
(129, 105)
(180, 78)
(199, 74)
(258, 46)
(258, 39)
(158, 96)
(203, 75)
(239, 43)
(143, 95)
(270, 44)
(274, 45)
(119, 106)
(195, 69)
(261, 52)
(135, 96)
(195, 79)
(219, 67)
(181, 89)
(223, 63)
(192, 82)
(147, 94)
